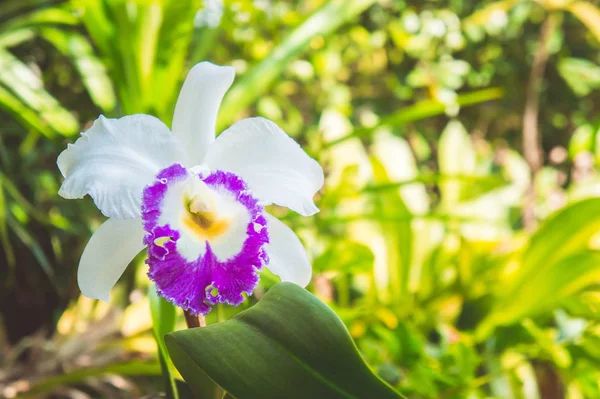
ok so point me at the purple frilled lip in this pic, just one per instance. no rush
(191, 284)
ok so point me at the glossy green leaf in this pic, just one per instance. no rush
(290, 345)
(163, 322)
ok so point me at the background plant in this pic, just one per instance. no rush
(416, 112)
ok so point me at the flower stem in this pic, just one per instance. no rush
(194, 321)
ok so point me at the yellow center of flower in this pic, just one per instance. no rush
(201, 216)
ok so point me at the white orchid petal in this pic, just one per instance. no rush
(273, 164)
(197, 107)
(287, 256)
(111, 248)
(113, 161)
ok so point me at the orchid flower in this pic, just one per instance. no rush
(196, 203)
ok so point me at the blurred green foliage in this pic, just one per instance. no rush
(414, 109)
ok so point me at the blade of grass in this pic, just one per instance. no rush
(27, 86)
(35, 248)
(14, 192)
(90, 68)
(24, 114)
(6, 245)
(8, 7)
(45, 16)
(15, 37)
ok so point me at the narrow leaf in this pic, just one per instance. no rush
(423, 110)
(90, 68)
(556, 263)
(588, 14)
(29, 88)
(456, 156)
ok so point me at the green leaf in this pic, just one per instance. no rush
(132, 368)
(456, 156)
(28, 87)
(173, 45)
(15, 37)
(163, 322)
(144, 45)
(484, 15)
(582, 140)
(581, 75)
(93, 73)
(546, 290)
(36, 249)
(588, 14)
(43, 16)
(423, 110)
(344, 256)
(556, 264)
(566, 233)
(322, 22)
(4, 238)
(393, 161)
(24, 114)
(290, 345)
(16, 6)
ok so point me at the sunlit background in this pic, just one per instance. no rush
(459, 221)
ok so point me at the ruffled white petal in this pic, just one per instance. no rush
(287, 256)
(197, 107)
(113, 161)
(275, 167)
(107, 254)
